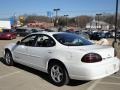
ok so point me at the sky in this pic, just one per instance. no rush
(41, 7)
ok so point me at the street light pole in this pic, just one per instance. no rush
(66, 19)
(98, 16)
(116, 21)
(56, 17)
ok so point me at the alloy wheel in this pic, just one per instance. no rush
(57, 73)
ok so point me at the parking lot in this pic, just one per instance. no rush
(20, 77)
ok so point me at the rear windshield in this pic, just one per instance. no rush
(69, 39)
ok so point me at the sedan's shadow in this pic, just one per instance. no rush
(43, 75)
(77, 82)
(2, 60)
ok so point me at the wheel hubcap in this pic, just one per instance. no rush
(57, 73)
(7, 58)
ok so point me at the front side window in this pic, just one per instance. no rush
(69, 39)
(29, 41)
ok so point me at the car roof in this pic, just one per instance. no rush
(48, 33)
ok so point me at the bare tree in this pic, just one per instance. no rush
(83, 20)
(32, 18)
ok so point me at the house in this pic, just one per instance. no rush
(100, 25)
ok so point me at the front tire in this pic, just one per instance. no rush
(8, 58)
(58, 74)
(11, 38)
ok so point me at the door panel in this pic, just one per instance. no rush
(38, 56)
(20, 53)
(21, 50)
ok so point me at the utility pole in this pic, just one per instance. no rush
(98, 18)
(66, 16)
(116, 21)
(56, 18)
(14, 20)
(77, 21)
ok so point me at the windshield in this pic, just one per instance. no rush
(69, 39)
(7, 30)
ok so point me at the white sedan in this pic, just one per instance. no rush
(63, 56)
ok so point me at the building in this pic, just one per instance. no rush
(100, 25)
(5, 24)
(40, 25)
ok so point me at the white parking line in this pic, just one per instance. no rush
(94, 84)
(109, 83)
(10, 74)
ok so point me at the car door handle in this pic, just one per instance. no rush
(49, 51)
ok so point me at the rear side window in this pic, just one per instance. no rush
(45, 41)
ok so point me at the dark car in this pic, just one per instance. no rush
(8, 34)
(100, 35)
(25, 32)
(21, 32)
(118, 35)
(97, 36)
(108, 35)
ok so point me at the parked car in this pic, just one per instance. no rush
(63, 56)
(100, 35)
(25, 32)
(8, 34)
(48, 30)
(31, 31)
(108, 35)
(118, 35)
(21, 32)
(97, 36)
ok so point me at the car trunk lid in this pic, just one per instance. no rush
(104, 51)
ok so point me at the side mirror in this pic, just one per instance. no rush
(18, 43)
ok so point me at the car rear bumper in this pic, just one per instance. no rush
(94, 71)
(7, 37)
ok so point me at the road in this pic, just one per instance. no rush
(20, 77)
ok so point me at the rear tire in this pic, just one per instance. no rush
(58, 74)
(8, 58)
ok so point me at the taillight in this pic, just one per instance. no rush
(91, 58)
